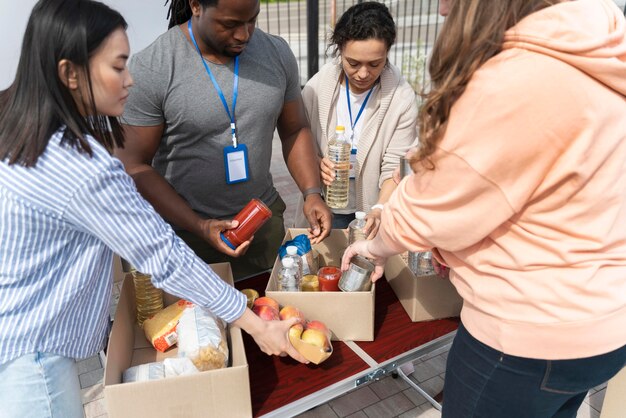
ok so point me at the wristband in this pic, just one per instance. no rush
(311, 190)
(377, 206)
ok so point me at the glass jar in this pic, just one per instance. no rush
(251, 218)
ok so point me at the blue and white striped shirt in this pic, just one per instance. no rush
(60, 223)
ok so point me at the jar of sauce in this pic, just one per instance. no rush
(251, 218)
(328, 278)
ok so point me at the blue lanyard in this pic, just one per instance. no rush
(358, 115)
(217, 87)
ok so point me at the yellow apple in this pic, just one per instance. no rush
(295, 331)
(315, 337)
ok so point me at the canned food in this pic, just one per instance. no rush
(357, 277)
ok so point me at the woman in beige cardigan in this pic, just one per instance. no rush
(380, 119)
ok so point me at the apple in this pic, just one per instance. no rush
(291, 312)
(319, 326)
(316, 338)
(266, 312)
(267, 301)
(295, 331)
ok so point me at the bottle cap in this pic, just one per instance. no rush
(287, 262)
(359, 215)
(340, 128)
(227, 242)
(292, 250)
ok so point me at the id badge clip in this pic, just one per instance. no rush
(236, 163)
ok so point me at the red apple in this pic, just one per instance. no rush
(319, 326)
(315, 337)
(267, 301)
(291, 312)
(266, 312)
(295, 331)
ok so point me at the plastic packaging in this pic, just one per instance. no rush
(159, 370)
(308, 253)
(289, 277)
(148, 299)
(202, 338)
(356, 228)
(251, 218)
(339, 154)
(160, 329)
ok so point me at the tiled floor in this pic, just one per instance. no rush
(386, 398)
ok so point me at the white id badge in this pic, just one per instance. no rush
(353, 163)
(236, 163)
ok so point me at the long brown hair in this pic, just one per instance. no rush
(472, 33)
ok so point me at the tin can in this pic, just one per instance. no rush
(357, 277)
(405, 167)
(250, 218)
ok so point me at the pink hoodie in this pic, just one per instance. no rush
(527, 204)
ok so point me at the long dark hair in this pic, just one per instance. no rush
(366, 20)
(38, 104)
(472, 34)
(180, 10)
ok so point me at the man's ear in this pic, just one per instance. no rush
(194, 5)
(68, 74)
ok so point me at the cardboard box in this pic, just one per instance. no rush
(424, 297)
(215, 393)
(349, 315)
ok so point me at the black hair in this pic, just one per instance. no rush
(180, 11)
(362, 21)
(37, 103)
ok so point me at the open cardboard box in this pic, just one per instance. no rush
(349, 315)
(423, 297)
(214, 393)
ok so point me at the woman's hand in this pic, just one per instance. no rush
(327, 170)
(361, 248)
(372, 223)
(271, 336)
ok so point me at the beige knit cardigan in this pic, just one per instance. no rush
(389, 127)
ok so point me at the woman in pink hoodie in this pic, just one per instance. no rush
(520, 187)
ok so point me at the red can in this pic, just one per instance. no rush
(251, 218)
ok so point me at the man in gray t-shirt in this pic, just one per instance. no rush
(178, 128)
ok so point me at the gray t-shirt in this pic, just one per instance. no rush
(173, 87)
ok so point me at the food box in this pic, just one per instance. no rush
(215, 393)
(349, 315)
(423, 297)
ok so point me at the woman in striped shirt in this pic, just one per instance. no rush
(66, 205)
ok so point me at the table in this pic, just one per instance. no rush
(280, 386)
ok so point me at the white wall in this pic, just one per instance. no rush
(146, 20)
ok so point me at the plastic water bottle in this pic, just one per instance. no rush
(148, 299)
(292, 252)
(356, 228)
(421, 263)
(339, 154)
(288, 277)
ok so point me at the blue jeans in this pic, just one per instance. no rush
(40, 386)
(483, 382)
(341, 221)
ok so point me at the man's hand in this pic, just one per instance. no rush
(319, 216)
(211, 228)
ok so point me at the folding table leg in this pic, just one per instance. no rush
(421, 391)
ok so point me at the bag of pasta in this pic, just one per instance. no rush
(202, 339)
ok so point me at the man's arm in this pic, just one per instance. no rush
(139, 149)
(303, 164)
